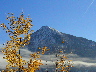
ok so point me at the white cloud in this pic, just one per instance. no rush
(78, 61)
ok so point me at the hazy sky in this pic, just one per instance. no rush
(75, 17)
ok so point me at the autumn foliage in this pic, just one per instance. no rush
(20, 25)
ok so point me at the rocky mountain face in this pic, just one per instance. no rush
(52, 38)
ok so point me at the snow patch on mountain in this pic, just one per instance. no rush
(49, 29)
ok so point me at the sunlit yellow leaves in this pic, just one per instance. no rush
(12, 37)
(1, 25)
(32, 31)
(34, 65)
(62, 41)
(65, 57)
(24, 21)
(70, 60)
(20, 26)
(63, 64)
(61, 51)
(44, 49)
(35, 55)
(14, 22)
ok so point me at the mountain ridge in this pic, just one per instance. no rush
(52, 38)
(62, 32)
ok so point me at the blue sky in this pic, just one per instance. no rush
(75, 17)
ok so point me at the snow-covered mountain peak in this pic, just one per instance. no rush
(45, 27)
(49, 29)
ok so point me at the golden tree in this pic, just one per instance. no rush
(63, 64)
(19, 26)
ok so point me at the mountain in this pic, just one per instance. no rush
(83, 51)
(52, 38)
